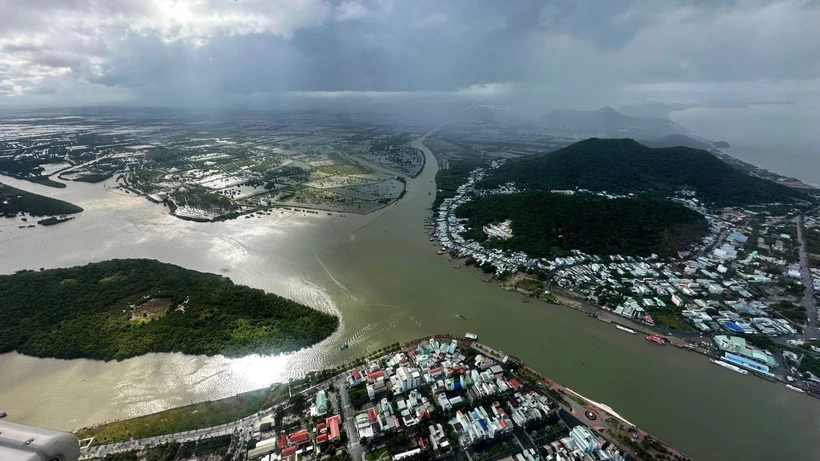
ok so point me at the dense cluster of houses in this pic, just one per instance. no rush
(478, 398)
(717, 290)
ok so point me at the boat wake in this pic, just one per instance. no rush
(338, 283)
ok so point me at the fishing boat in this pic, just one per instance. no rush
(656, 340)
(794, 388)
(729, 366)
(628, 330)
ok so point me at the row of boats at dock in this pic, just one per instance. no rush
(659, 340)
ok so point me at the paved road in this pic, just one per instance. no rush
(808, 296)
(353, 446)
(187, 436)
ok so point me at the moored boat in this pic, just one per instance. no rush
(628, 330)
(729, 366)
(471, 336)
(794, 388)
(656, 340)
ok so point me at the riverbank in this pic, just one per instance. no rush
(185, 418)
(233, 412)
(381, 275)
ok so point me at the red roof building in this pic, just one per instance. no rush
(299, 438)
(356, 374)
(333, 426)
(288, 451)
(376, 375)
(322, 438)
(283, 440)
(514, 384)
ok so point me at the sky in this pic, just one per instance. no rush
(558, 53)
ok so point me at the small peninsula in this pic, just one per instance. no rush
(14, 201)
(123, 308)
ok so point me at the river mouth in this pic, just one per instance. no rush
(381, 274)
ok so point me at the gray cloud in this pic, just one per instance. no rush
(579, 53)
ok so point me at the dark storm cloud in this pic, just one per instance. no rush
(575, 52)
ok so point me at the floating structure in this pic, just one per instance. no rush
(628, 330)
(794, 388)
(729, 366)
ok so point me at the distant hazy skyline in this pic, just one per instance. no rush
(562, 53)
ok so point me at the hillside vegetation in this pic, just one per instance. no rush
(625, 166)
(548, 225)
(85, 312)
(14, 201)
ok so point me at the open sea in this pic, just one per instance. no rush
(783, 138)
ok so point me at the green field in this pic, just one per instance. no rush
(190, 417)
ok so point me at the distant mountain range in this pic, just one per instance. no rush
(608, 120)
(625, 166)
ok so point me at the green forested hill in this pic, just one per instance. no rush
(13, 201)
(624, 166)
(548, 225)
(84, 312)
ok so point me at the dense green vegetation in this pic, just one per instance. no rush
(545, 224)
(456, 174)
(14, 201)
(625, 166)
(29, 168)
(85, 311)
(94, 177)
(358, 396)
(791, 311)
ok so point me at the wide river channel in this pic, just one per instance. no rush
(380, 273)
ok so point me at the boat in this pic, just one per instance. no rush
(593, 315)
(794, 388)
(344, 346)
(525, 300)
(462, 317)
(628, 330)
(471, 336)
(2, 414)
(729, 366)
(656, 340)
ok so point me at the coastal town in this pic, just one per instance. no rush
(746, 295)
(438, 397)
